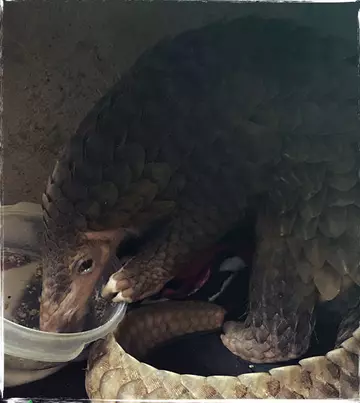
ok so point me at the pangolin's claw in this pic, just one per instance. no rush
(113, 287)
(132, 284)
(257, 345)
(240, 341)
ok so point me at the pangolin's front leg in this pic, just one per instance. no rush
(198, 221)
(146, 273)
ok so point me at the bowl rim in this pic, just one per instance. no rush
(22, 334)
(75, 335)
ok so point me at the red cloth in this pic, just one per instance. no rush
(195, 274)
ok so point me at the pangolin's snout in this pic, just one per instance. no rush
(65, 315)
(61, 318)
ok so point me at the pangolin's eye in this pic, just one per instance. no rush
(85, 266)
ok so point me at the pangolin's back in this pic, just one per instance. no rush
(209, 115)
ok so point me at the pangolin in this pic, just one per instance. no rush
(250, 114)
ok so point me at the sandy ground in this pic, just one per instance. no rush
(60, 58)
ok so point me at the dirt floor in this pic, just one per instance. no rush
(60, 57)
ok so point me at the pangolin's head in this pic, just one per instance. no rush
(72, 265)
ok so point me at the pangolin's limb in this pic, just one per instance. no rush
(307, 240)
(115, 372)
(280, 320)
(199, 220)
